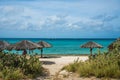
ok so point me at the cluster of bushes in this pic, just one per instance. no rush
(15, 67)
(105, 65)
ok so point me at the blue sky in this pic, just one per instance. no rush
(59, 18)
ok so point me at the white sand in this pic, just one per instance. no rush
(54, 65)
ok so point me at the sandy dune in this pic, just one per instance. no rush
(55, 64)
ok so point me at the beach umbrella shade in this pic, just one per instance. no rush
(44, 45)
(91, 45)
(24, 45)
(115, 44)
(3, 45)
(10, 47)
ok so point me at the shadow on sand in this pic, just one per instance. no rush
(47, 57)
(48, 62)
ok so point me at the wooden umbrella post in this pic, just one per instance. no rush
(91, 51)
(41, 52)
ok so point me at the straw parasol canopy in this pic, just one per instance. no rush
(91, 45)
(10, 47)
(24, 45)
(3, 45)
(44, 45)
(114, 44)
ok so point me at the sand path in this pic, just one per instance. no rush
(54, 65)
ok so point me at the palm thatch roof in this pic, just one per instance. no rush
(10, 47)
(25, 44)
(114, 44)
(44, 44)
(91, 44)
(3, 45)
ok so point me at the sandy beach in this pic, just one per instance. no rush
(54, 65)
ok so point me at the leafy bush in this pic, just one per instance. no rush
(15, 67)
(32, 67)
(103, 65)
(11, 74)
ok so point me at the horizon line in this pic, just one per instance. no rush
(59, 38)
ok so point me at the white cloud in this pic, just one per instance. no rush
(22, 18)
(9, 11)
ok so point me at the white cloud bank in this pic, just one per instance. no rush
(24, 18)
(56, 18)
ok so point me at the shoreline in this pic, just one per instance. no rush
(66, 54)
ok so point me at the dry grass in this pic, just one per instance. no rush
(105, 65)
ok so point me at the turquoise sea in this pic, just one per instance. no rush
(64, 46)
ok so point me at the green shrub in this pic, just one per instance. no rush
(11, 74)
(33, 66)
(15, 67)
(72, 67)
(103, 65)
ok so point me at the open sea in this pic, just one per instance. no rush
(64, 46)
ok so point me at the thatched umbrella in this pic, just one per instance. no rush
(10, 47)
(44, 45)
(91, 45)
(24, 45)
(114, 44)
(3, 45)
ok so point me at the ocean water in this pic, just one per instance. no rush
(64, 46)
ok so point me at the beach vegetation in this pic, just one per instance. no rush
(105, 65)
(16, 67)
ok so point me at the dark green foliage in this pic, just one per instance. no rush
(11, 74)
(15, 67)
(102, 65)
(32, 67)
